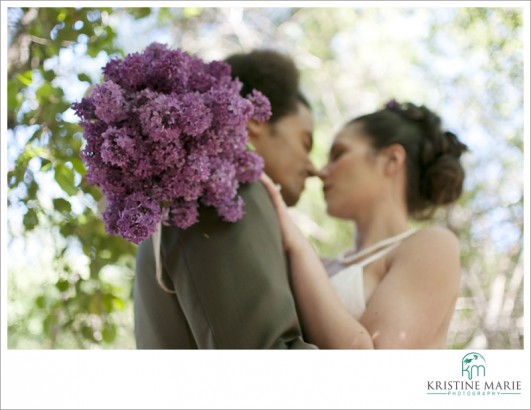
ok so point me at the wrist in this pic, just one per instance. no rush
(299, 246)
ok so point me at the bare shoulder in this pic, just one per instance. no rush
(430, 251)
(431, 239)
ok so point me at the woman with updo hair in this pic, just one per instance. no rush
(397, 288)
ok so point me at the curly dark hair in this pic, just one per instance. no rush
(272, 73)
(434, 171)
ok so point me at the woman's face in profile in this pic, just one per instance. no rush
(352, 177)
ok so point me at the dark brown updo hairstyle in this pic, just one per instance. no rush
(434, 172)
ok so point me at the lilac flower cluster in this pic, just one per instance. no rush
(166, 132)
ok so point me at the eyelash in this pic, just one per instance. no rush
(336, 155)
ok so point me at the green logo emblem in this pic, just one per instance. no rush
(473, 364)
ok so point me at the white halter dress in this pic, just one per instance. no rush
(348, 283)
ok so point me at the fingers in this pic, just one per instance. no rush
(266, 180)
(274, 191)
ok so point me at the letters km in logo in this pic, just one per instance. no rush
(473, 364)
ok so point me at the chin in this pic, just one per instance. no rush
(291, 201)
(291, 198)
(335, 212)
(330, 210)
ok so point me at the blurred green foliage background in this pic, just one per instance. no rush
(69, 283)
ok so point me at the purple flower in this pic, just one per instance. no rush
(118, 147)
(222, 184)
(165, 132)
(392, 105)
(112, 71)
(169, 71)
(231, 211)
(249, 167)
(183, 213)
(164, 157)
(220, 71)
(139, 217)
(158, 118)
(194, 117)
(261, 105)
(84, 109)
(132, 75)
(109, 102)
(226, 109)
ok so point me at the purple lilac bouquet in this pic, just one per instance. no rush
(165, 132)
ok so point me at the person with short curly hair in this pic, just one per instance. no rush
(229, 280)
(398, 287)
(284, 141)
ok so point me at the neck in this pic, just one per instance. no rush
(380, 223)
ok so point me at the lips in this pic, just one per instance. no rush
(326, 189)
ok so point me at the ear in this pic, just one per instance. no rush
(257, 130)
(395, 159)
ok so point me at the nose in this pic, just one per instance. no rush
(322, 173)
(311, 170)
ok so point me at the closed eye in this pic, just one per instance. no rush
(337, 150)
(336, 154)
(308, 142)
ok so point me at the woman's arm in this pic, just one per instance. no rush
(412, 306)
(407, 309)
(326, 321)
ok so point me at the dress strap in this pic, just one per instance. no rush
(377, 255)
(382, 252)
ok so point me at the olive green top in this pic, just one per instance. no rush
(231, 283)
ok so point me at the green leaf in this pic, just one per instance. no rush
(139, 12)
(62, 205)
(62, 285)
(31, 151)
(25, 78)
(65, 178)
(165, 16)
(119, 304)
(30, 220)
(93, 50)
(66, 229)
(46, 165)
(12, 93)
(78, 166)
(40, 302)
(107, 302)
(33, 187)
(48, 75)
(95, 304)
(190, 12)
(44, 92)
(49, 323)
(87, 333)
(109, 332)
(84, 77)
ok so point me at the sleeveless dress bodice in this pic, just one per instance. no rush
(348, 283)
